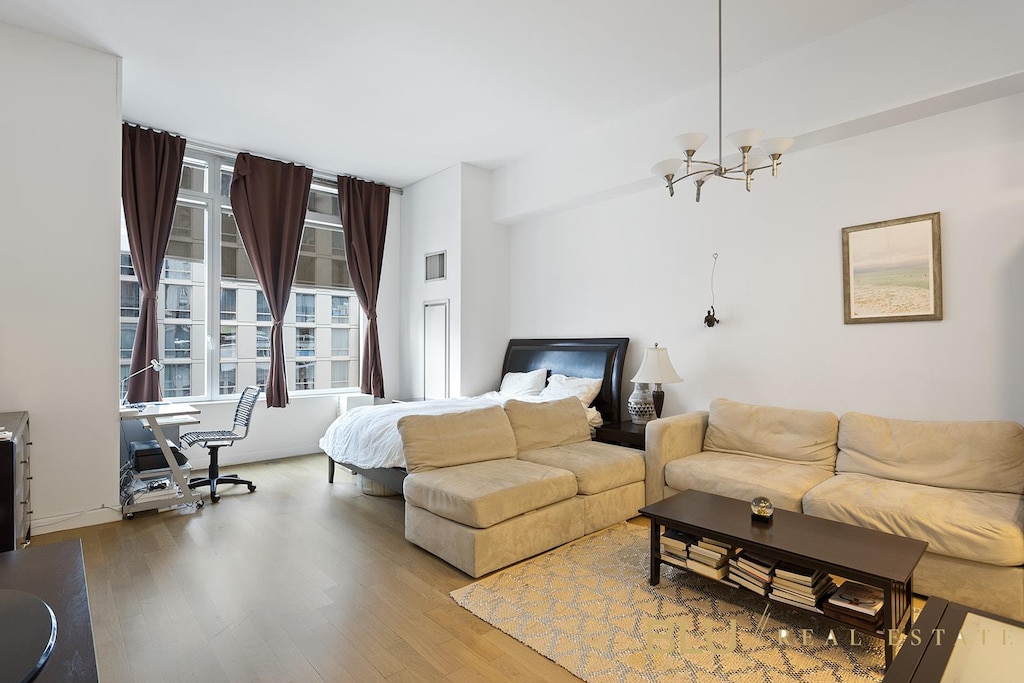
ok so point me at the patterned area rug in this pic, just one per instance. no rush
(587, 606)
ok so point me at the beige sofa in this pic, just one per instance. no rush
(489, 487)
(957, 485)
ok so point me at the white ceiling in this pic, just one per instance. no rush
(395, 90)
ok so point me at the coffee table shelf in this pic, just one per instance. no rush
(864, 555)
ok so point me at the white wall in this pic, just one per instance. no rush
(60, 184)
(640, 266)
(431, 222)
(485, 286)
(451, 210)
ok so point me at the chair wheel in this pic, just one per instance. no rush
(214, 497)
(252, 487)
(200, 503)
(130, 515)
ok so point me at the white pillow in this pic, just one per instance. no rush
(585, 389)
(523, 383)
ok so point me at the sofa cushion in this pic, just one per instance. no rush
(745, 478)
(805, 436)
(547, 423)
(432, 441)
(598, 466)
(979, 526)
(977, 456)
(484, 493)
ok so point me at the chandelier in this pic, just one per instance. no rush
(765, 155)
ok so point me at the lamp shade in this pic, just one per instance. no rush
(656, 368)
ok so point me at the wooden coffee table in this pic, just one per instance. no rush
(871, 557)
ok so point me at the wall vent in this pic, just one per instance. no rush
(436, 265)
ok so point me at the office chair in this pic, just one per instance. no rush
(216, 440)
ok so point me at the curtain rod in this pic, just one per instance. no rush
(224, 151)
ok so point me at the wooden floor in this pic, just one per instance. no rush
(300, 581)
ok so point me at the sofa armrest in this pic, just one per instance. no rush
(668, 439)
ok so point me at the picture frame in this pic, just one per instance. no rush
(892, 271)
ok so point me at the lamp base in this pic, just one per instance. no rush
(641, 405)
(659, 401)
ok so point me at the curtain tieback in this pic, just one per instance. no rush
(149, 296)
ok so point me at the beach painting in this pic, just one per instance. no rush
(892, 271)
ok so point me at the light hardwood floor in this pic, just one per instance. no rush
(300, 581)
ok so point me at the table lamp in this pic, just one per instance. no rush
(154, 364)
(645, 405)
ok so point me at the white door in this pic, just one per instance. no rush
(435, 349)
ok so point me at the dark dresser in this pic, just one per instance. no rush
(15, 479)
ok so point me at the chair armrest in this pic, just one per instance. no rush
(668, 439)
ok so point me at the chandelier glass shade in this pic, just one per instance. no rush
(754, 158)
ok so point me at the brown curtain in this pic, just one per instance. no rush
(269, 199)
(364, 219)
(150, 174)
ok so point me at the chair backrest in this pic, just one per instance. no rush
(243, 412)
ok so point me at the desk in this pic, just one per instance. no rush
(156, 415)
(56, 574)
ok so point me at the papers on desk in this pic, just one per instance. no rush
(128, 412)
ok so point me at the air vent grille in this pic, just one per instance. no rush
(436, 264)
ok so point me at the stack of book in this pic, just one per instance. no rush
(709, 558)
(675, 547)
(800, 586)
(857, 605)
(752, 572)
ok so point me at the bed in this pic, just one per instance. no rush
(365, 440)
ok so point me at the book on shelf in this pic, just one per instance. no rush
(712, 544)
(857, 597)
(752, 568)
(797, 574)
(673, 560)
(774, 595)
(823, 583)
(748, 583)
(677, 539)
(707, 570)
(673, 553)
(855, 619)
(701, 555)
(802, 598)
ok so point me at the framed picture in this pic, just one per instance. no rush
(892, 271)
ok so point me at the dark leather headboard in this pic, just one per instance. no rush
(602, 357)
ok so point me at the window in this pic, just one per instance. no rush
(228, 372)
(177, 380)
(305, 308)
(228, 342)
(262, 372)
(228, 304)
(339, 309)
(177, 301)
(263, 313)
(177, 341)
(262, 341)
(130, 297)
(305, 375)
(339, 342)
(305, 341)
(339, 374)
(177, 270)
(127, 340)
(213, 319)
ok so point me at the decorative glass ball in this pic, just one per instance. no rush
(762, 507)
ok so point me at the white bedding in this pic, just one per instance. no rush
(368, 437)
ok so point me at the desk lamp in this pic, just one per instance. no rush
(154, 364)
(645, 405)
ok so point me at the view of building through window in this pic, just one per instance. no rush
(216, 339)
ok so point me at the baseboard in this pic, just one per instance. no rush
(75, 520)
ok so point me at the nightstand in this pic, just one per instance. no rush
(624, 434)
